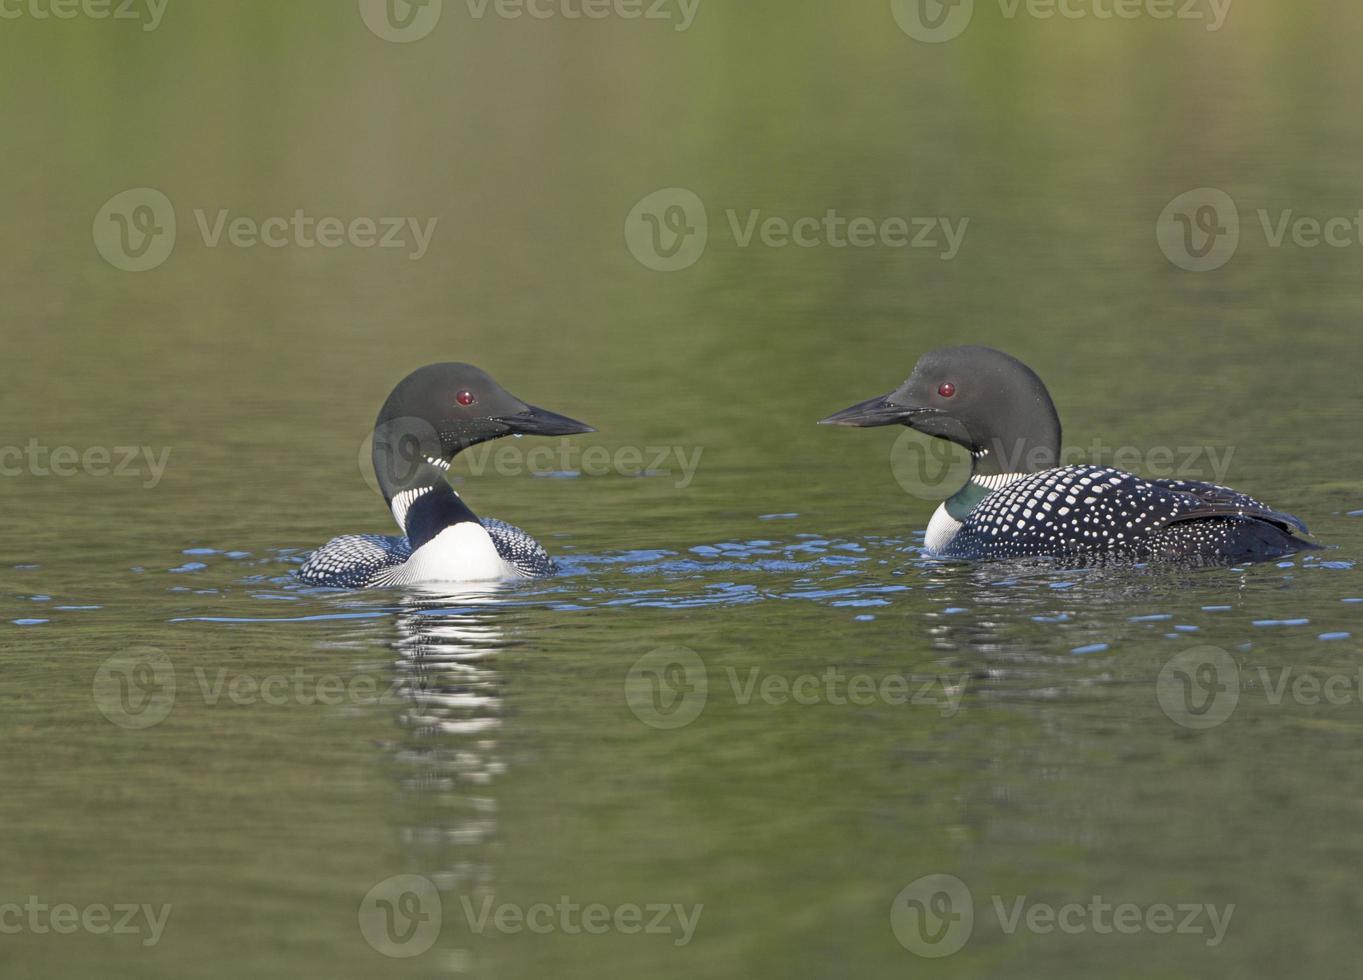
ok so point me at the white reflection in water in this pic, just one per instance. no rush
(452, 708)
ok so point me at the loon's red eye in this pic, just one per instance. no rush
(946, 389)
(465, 398)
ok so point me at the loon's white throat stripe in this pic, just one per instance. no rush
(402, 503)
(998, 481)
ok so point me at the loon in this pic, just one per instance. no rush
(1019, 503)
(433, 414)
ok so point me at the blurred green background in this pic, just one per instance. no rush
(1056, 143)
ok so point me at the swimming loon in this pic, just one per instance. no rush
(433, 414)
(1019, 503)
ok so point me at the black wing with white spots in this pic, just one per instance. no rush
(1081, 511)
(354, 561)
(1222, 499)
(518, 549)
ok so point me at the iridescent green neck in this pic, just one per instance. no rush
(984, 480)
(963, 501)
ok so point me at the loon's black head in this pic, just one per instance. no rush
(980, 398)
(441, 409)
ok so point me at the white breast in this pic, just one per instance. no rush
(941, 529)
(462, 552)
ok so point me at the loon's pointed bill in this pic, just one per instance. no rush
(542, 422)
(881, 410)
(1019, 502)
(432, 415)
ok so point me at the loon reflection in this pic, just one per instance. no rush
(451, 707)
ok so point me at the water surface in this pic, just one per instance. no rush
(523, 746)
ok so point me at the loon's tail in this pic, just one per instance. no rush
(1232, 540)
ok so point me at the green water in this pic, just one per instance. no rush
(499, 746)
